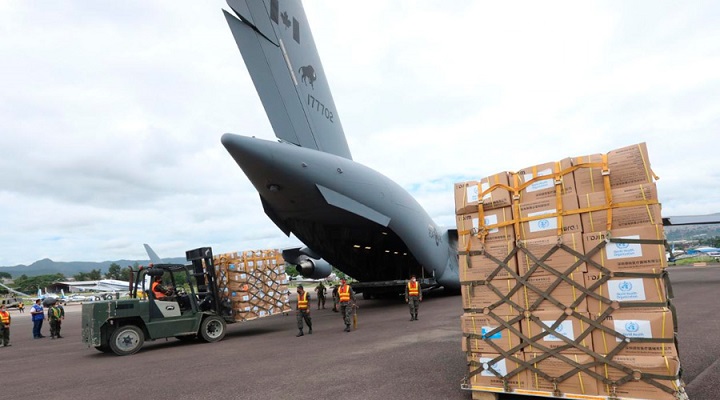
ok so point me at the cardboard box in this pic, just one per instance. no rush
(469, 225)
(482, 365)
(627, 215)
(466, 197)
(642, 323)
(477, 264)
(570, 328)
(494, 191)
(588, 177)
(624, 290)
(629, 166)
(542, 217)
(563, 292)
(645, 365)
(557, 172)
(560, 260)
(477, 329)
(628, 257)
(475, 298)
(580, 382)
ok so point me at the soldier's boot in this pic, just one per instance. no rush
(412, 317)
(415, 317)
(310, 331)
(59, 337)
(347, 328)
(300, 334)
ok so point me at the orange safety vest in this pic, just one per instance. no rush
(157, 293)
(344, 293)
(413, 289)
(303, 301)
(5, 317)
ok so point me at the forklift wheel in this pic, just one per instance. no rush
(126, 340)
(212, 329)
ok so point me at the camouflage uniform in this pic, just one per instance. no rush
(346, 307)
(56, 314)
(413, 301)
(304, 314)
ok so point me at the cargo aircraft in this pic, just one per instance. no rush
(346, 213)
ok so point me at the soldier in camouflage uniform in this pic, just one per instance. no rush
(303, 310)
(346, 297)
(413, 296)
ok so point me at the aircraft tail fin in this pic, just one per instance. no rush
(277, 46)
(152, 255)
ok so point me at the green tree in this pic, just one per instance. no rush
(81, 276)
(290, 270)
(116, 272)
(95, 275)
(5, 275)
(30, 285)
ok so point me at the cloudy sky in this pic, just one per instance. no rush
(111, 112)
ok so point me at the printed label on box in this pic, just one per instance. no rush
(485, 329)
(483, 187)
(624, 250)
(471, 194)
(499, 366)
(626, 290)
(489, 220)
(565, 328)
(633, 328)
(542, 224)
(542, 184)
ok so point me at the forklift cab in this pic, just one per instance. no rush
(173, 276)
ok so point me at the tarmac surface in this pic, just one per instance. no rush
(386, 357)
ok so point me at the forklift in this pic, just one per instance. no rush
(194, 309)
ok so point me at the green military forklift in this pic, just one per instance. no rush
(194, 309)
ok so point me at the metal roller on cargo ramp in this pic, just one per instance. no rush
(122, 326)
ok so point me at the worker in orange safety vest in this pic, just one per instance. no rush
(345, 295)
(303, 310)
(4, 326)
(413, 296)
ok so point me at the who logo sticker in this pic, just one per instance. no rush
(624, 250)
(626, 290)
(633, 328)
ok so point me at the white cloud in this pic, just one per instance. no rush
(111, 113)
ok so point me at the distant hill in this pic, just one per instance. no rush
(692, 232)
(70, 268)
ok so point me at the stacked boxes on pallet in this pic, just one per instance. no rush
(562, 267)
(254, 282)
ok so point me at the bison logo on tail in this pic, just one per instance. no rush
(308, 74)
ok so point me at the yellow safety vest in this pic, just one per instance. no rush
(5, 317)
(303, 301)
(413, 289)
(344, 293)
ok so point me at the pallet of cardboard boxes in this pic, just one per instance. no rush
(254, 282)
(564, 289)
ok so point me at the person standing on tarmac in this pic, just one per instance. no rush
(345, 295)
(56, 314)
(38, 316)
(303, 310)
(21, 307)
(4, 326)
(320, 289)
(413, 296)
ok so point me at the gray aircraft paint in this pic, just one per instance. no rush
(357, 219)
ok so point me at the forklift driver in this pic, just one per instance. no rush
(160, 292)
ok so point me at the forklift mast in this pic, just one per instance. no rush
(204, 273)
